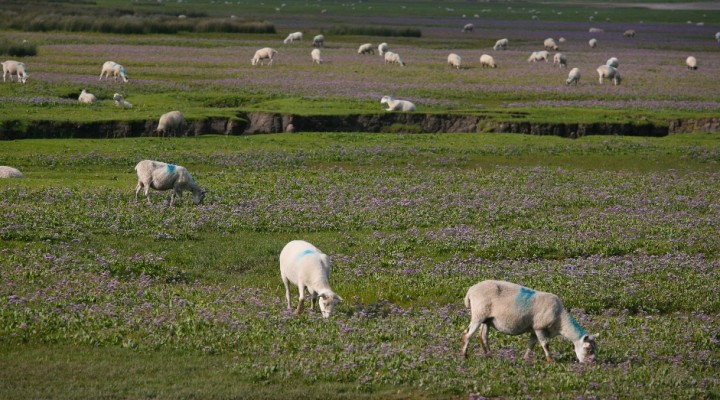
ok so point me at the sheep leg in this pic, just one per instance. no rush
(544, 344)
(287, 292)
(147, 194)
(137, 190)
(483, 335)
(474, 325)
(531, 346)
(301, 299)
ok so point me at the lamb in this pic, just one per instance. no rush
(293, 37)
(560, 60)
(592, 43)
(573, 76)
(120, 102)
(318, 41)
(501, 44)
(549, 43)
(315, 54)
(366, 48)
(266, 53)
(10, 172)
(87, 98)
(487, 60)
(11, 67)
(303, 265)
(393, 58)
(612, 62)
(170, 122)
(397, 105)
(691, 63)
(630, 33)
(513, 309)
(382, 48)
(162, 176)
(454, 60)
(114, 69)
(539, 55)
(468, 28)
(606, 71)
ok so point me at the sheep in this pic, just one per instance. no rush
(513, 309)
(303, 265)
(318, 41)
(717, 36)
(454, 60)
(366, 48)
(393, 58)
(120, 102)
(592, 43)
(560, 60)
(501, 44)
(573, 76)
(630, 33)
(10, 172)
(111, 67)
(382, 48)
(549, 43)
(397, 105)
(539, 55)
(468, 28)
(487, 60)
(170, 122)
(612, 62)
(691, 63)
(87, 98)
(266, 53)
(561, 40)
(606, 71)
(162, 176)
(596, 30)
(11, 67)
(293, 37)
(315, 54)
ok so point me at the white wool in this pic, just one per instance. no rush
(319, 41)
(382, 48)
(315, 54)
(114, 69)
(454, 60)
(266, 53)
(592, 43)
(501, 44)
(574, 76)
(691, 63)
(549, 43)
(539, 55)
(11, 67)
(170, 122)
(87, 98)
(487, 60)
(162, 176)
(608, 72)
(366, 48)
(293, 37)
(560, 60)
(120, 102)
(397, 105)
(10, 172)
(393, 58)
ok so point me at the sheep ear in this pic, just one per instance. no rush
(590, 338)
(323, 296)
(339, 298)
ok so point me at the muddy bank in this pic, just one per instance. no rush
(261, 122)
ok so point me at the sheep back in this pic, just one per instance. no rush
(10, 172)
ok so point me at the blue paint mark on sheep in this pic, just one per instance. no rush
(578, 329)
(524, 298)
(304, 253)
(171, 169)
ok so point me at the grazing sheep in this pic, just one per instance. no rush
(114, 69)
(293, 37)
(393, 58)
(561, 40)
(513, 309)
(612, 62)
(87, 98)
(573, 76)
(10, 172)
(161, 176)
(266, 53)
(454, 60)
(592, 43)
(606, 71)
(397, 105)
(595, 30)
(501, 44)
(319, 41)
(630, 33)
(170, 122)
(382, 48)
(366, 48)
(549, 43)
(539, 55)
(315, 54)
(303, 265)
(560, 60)
(691, 63)
(11, 67)
(468, 28)
(487, 60)
(120, 102)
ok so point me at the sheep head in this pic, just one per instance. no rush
(585, 348)
(327, 301)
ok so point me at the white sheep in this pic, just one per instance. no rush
(612, 62)
(10, 172)
(717, 36)
(501, 44)
(454, 60)
(87, 98)
(539, 55)
(573, 76)
(11, 67)
(293, 37)
(162, 176)
(266, 53)
(393, 58)
(691, 63)
(513, 309)
(487, 60)
(561, 40)
(318, 41)
(606, 71)
(549, 43)
(592, 43)
(315, 54)
(303, 265)
(366, 48)
(630, 33)
(114, 69)
(120, 102)
(170, 122)
(397, 105)
(560, 60)
(382, 48)
(468, 28)
(596, 30)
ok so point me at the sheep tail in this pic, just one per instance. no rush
(467, 301)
